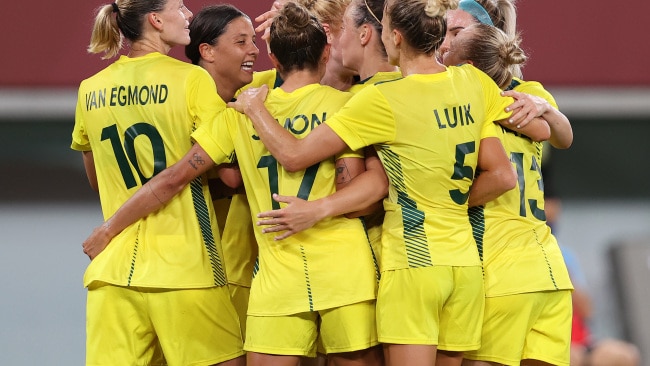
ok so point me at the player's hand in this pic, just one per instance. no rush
(96, 242)
(525, 108)
(266, 19)
(250, 98)
(297, 216)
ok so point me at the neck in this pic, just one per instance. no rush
(374, 65)
(146, 46)
(225, 88)
(337, 76)
(297, 79)
(420, 64)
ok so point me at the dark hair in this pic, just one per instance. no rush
(421, 22)
(129, 20)
(370, 12)
(208, 25)
(297, 39)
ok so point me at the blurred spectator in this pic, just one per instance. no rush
(585, 351)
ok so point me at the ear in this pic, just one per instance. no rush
(365, 34)
(207, 52)
(328, 32)
(155, 21)
(396, 36)
(326, 54)
(274, 61)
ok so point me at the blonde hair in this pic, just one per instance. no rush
(435, 8)
(127, 22)
(492, 51)
(106, 36)
(421, 22)
(327, 11)
(503, 14)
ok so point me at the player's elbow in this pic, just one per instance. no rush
(564, 142)
(507, 179)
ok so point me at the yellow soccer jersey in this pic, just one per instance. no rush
(376, 78)
(373, 222)
(238, 242)
(426, 129)
(135, 130)
(270, 78)
(519, 252)
(326, 266)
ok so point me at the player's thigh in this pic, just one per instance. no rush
(549, 340)
(293, 335)
(118, 329)
(461, 317)
(349, 328)
(409, 304)
(196, 326)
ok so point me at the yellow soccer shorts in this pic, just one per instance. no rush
(534, 325)
(239, 296)
(140, 326)
(344, 329)
(438, 305)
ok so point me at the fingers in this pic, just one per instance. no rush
(284, 236)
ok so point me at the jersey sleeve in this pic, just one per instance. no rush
(202, 99)
(365, 120)
(80, 141)
(537, 89)
(215, 137)
(495, 103)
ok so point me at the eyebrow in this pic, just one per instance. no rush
(456, 28)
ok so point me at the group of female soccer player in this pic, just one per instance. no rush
(425, 280)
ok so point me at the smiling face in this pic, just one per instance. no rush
(235, 53)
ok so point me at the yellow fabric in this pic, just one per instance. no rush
(373, 222)
(136, 130)
(520, 254)
(238, 241)
(135, 326)
(439, 305)
(533, 325)
(344, 329)
(376, 78)
(326, 266)
(423, 127)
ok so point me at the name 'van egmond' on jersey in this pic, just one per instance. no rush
(127, 95)
(454, 117)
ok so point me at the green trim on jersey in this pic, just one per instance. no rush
(203, 217)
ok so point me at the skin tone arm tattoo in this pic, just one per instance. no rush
(196, 161)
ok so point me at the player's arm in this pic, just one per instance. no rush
(91, 173)
(561, 133)
(294, 154)
(496, 174)
(149, 198)
(359, 189)
(537, 129)
(374, 173)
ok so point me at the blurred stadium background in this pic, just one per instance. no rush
(591, 56)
